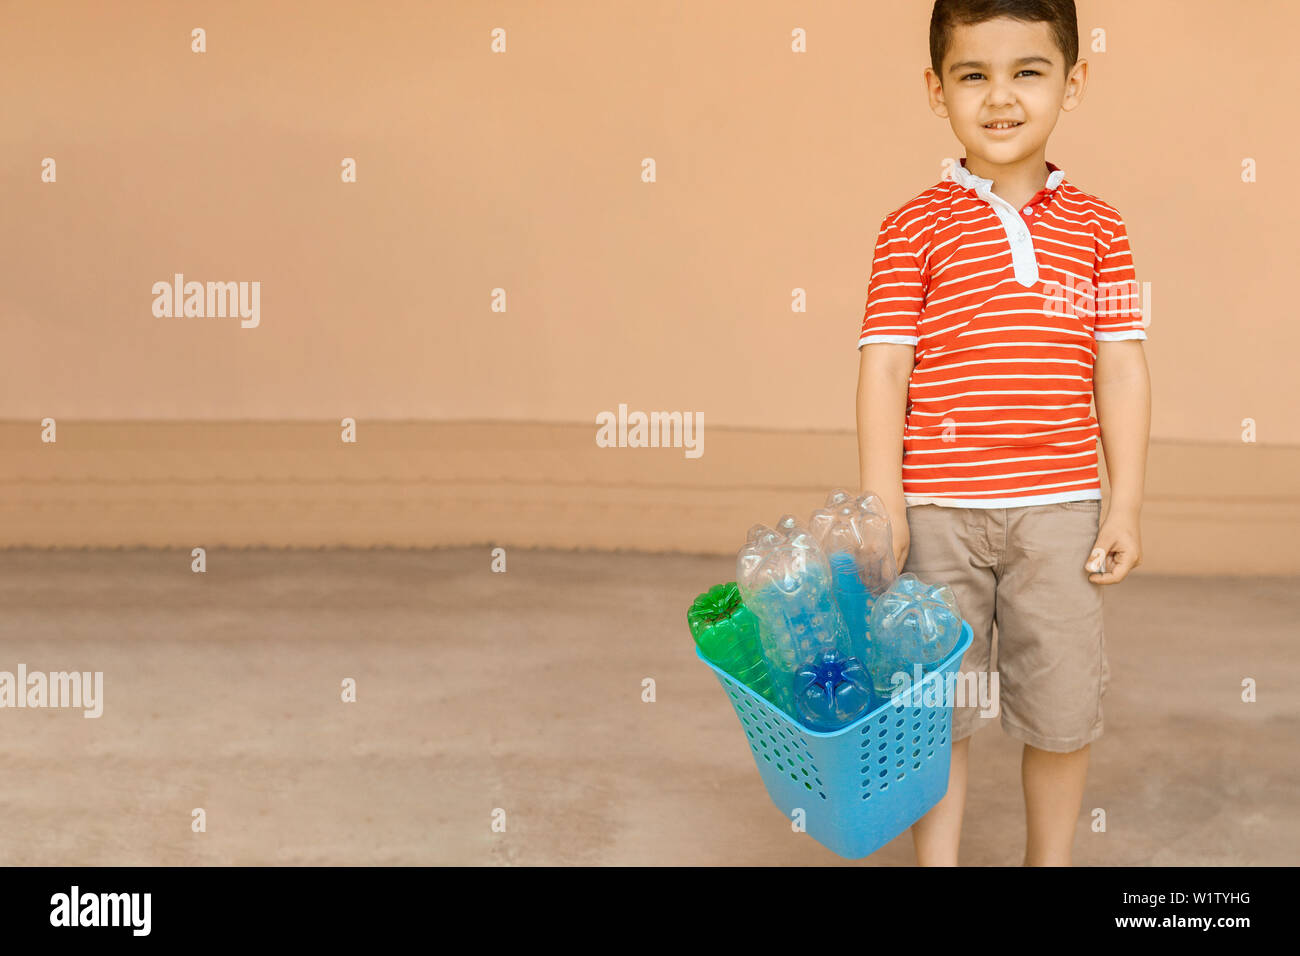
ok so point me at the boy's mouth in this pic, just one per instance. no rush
(1003, 124)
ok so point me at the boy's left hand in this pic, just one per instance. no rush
(1118, 547)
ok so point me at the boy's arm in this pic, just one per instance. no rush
(1122, 391)
(887, 351)
(883, 373)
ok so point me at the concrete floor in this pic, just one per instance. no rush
(522, 691)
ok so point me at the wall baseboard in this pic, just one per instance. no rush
(1210, 508)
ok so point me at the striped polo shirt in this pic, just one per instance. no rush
(1004, 306)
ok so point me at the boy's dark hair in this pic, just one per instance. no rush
(1059, 14)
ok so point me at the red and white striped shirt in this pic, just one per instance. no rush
(1004, 307)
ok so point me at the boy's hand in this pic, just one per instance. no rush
(902, 535)
(1117, 551)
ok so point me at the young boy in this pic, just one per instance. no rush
(1001, 302)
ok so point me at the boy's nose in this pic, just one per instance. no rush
(1001, 96)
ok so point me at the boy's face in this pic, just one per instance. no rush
(1004, 71)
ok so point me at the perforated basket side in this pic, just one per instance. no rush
(781, 747)
(858, 787)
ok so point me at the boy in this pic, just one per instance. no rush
(1001, 302)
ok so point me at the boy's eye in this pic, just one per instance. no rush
(980, 76)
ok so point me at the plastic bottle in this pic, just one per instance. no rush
(911, 623)
(727, 634)
(832, 691)
(854, 531)
(854, 601)
(785, 580)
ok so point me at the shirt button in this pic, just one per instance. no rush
(1029, 210)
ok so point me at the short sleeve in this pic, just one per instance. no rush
(1119, 297)
(896, 293)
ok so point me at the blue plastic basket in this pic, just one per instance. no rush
(864, 784)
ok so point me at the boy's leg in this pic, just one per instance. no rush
(936, 837)
(1053, 785)
(1052, 665)
(952, 546)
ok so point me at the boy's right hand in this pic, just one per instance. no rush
(902, 534)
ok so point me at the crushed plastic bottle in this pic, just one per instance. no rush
(832, 691)
(911, 623)
(785, 580)
(855, 534)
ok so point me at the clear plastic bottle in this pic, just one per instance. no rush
(785, 581)
(911, 623)
(855, 533)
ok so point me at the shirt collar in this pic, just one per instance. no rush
(964, 177)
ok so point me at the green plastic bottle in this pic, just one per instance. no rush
(727, 634)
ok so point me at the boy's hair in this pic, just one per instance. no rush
(1059, 14)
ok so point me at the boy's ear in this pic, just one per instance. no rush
(934, 89)
(1075, 83)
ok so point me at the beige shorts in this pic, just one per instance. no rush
(1023, 569)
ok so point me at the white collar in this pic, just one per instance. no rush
(1019, 239)
(964, 177)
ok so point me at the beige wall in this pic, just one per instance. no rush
(521, 171)
(421, 484)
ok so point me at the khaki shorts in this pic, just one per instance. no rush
(1023, 569)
